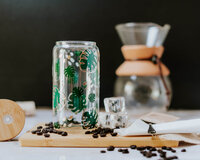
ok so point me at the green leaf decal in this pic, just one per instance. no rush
(77, 53)
(91, 97)
(57, 68)
(69, 72)
(56, 95)
(89, 120)
(77, 100)
(88, 60)
(78, 91)
(56, 125)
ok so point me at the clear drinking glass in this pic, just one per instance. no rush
(76, 83)
(143, 93)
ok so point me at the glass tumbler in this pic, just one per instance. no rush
(76, 83)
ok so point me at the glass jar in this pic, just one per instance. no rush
(76, 83)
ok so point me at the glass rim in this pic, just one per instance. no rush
(144, 25)
(71, 42)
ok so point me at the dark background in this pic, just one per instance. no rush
(29, 29)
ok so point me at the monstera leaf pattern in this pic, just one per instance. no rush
(77, 100)
(77, 53)
(88, 60)
(89, 119)
(69, 72)
(56, 99)
(91, 97)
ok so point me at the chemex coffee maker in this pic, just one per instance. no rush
(142, 77)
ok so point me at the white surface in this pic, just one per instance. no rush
(28, 106)
(12, 150)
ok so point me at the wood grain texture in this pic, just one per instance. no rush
(12, 119)
(77, 138)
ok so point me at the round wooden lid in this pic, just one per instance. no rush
(141, 68)
(12, 119)
(132, 52)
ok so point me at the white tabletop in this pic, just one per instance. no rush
(13, 151)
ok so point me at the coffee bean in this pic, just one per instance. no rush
(148, 147)
(51, 130)
(38, 130)
(64, 134)
(39, 133)
(159, 151)
(44, 131)
(164, 147)
(120, 150)
(50, 123)
(163, 154)
(183, 150)
(114, 134)
(154, 154)
(103, 151)
(168, 148)
(140, 148)
(171, 158)
(34, 131)
(173, 151)
(95, 136)
(103, 135)
(48, 128)
(111, 148)
(39, 127)
(133, 146)
(152, 149)
(87, 132)
(59, 132)
(149, 155)
(46, 135)
(54, 131)
(125, 151)
(143, 152)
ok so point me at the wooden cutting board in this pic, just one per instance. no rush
(77, 138)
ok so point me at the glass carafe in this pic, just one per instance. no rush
(143, 79)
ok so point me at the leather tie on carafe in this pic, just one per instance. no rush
(154, 59)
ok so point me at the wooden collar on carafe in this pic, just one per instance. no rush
(141, 52)
(146, 54)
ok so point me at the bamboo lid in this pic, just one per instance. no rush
(132, 52)
(12, 119)
(141, 68)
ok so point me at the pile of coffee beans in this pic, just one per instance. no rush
(102, 132)
(148, 151)
(49, 128)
